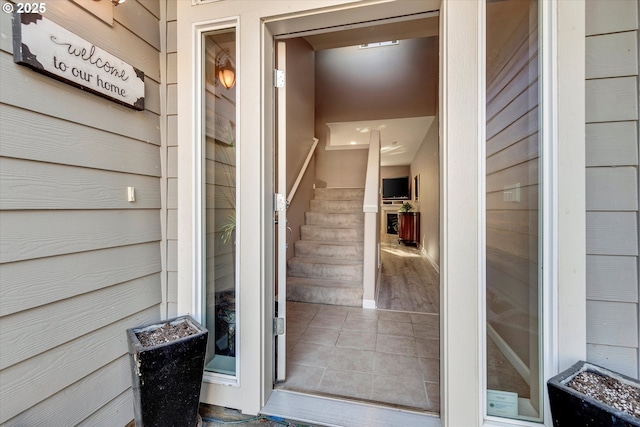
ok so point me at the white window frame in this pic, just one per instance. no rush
(198, 207)
(560, 322)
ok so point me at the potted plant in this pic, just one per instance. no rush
(589, 395)
(406, 207)
(167, 364)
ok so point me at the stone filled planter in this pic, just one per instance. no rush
(167, 376)
(571, 408)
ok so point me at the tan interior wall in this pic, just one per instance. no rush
(426, 164)
(363, 84)
(300, 130)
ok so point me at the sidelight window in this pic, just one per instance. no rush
(513, 211)
(218, 179)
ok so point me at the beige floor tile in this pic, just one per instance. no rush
(399, 391)
(430, 369)
(295, 329)
(302, 377)
(334, 310)
(346, 383)
(310, 354)
(397, 365)
(425, 318)
(394, 316)
(320, 336)
(362, 313)
(349, 359)
(433, 396)
(301, 316)
(389, 327)
(303, 307)
(359, 324)
(428, 348)
(430, 330)
(357, 339)
(328, 320)
(396, 345)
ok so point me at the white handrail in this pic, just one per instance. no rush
(302, 171)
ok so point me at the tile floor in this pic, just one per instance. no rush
(385, 357)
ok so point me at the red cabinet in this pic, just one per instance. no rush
(409, 227)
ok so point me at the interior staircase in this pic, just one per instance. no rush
(327, 263)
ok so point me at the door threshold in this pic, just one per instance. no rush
(341, 413)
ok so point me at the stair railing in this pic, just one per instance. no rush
(302, 171)
(370, 207)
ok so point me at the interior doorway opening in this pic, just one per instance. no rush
(341, 84)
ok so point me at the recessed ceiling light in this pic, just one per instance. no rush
(379, 44)
(353, 143)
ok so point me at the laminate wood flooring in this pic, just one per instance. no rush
(408, 281)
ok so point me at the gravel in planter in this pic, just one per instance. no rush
(609, 391)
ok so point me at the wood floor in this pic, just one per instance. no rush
(409, 282)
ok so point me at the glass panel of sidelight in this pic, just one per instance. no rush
(513, 242)
(219, 195)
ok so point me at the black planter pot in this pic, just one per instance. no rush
(571, 408)
(167, 377)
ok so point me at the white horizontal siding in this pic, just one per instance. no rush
(612, 55)
(611, 16)
(32, 283)
(112, 380)
(32, 381)
(79, 264)
(63, 232)
(612, 278)
(613, 99)
(612, 144)
(36, 185)
(616, 358)
(612, 188)
(612, 323)
(612, 184)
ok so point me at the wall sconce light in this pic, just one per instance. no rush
(225, 71)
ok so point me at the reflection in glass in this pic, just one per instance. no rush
(513, 291)
(219, 202)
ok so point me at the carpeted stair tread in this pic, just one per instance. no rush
(340, 219)
(335, 206)
(333, 193)
(329, 249)
(337, 234)
(324, 283)
(325, 268)
(322, 291)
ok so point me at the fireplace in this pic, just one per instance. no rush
(392, 223)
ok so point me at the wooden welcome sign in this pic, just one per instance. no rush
(47, 48)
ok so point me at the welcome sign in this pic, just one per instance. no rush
(47, 48)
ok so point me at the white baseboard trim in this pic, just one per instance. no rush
(369, 303)
(510, 355)
(429, 258)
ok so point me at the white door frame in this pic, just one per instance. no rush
(461, 127)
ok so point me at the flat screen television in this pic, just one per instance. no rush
(395, 188)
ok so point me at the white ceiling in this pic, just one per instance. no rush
(400, 138)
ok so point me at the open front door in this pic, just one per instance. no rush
(281, 217)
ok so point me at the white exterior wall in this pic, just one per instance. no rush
(79, 264)
(612, 184)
